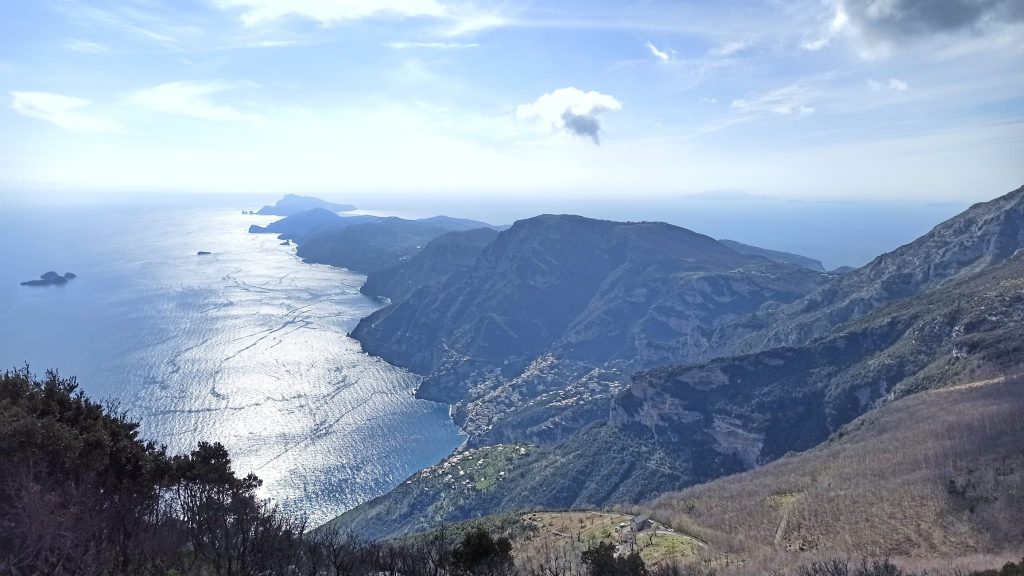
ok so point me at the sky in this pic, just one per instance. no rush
(919, 100)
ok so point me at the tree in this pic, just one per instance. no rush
(601, 560)
(479, 553)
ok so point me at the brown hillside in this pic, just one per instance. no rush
(939, 474)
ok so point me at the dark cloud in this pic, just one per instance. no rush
(583, 124)
(572, 110)
(898, 20)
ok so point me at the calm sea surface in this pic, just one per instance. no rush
(246, 346)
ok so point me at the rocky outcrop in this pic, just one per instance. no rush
(50, 278)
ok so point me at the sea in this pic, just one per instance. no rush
(247, 346)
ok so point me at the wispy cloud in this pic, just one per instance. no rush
(191, 99)
(432, 45)
(837, 24)
(460, 18)
(894, 85)
(728, 49)
(255, 12)
(59, 110)
(129, 19)
(571, 110)
(86, 46)
(659, 54)
(791, 100)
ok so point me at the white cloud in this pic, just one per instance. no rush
(138, 19)
(434, 45)
(63, 111)
(839, 23)
(570, 109)
(192, 99)
(461, 18)
(330, 11)
(897, 85)
(659, 54)
(86, 46)
(728, 49)
(894, 84)
(468, 22)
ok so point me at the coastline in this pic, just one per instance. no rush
(385, 301)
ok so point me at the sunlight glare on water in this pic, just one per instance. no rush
(247, 346)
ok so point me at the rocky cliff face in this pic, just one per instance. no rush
(984, 235)
(762, 405)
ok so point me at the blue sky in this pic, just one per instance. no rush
(879, 99)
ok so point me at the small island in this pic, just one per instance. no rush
(203, 253)
(51, 278)
(293, 204)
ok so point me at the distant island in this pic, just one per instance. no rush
(203, 253)
(293, 204)
(50, 278)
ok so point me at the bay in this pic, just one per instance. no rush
(247, 346)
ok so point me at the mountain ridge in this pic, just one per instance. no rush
(684, 424)
(561, 300)
(984, 234)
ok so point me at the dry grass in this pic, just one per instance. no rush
(566, 534)
(932, 479)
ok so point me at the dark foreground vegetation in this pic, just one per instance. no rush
(82, 494)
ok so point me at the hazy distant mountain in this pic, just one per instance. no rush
(451, 253)
(364, 243)
(370, 246)
(457, 224)
(302, 225)
(775, 255)
(293, 204)
(726, 195)
(557, 302)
